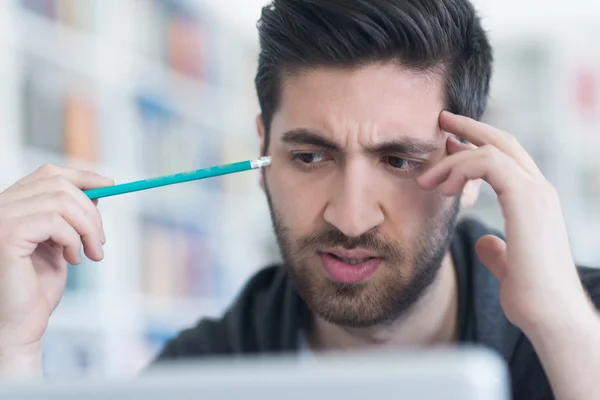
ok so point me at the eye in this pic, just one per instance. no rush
(309, 158)
(399, 163)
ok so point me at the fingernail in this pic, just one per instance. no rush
(103, 237)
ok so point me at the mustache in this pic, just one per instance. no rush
(370, 241)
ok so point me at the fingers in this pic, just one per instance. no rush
(65, 205)
(454, 146)
(487, 163)
(43, 226)
(491, 250)
(61, 188)
(79, 178)
(481, 134)
(57, 190)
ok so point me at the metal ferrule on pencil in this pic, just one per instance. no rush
(261, 162)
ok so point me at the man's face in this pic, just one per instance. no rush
(360, 238)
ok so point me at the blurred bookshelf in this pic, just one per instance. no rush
(133, 89)
(546, 92)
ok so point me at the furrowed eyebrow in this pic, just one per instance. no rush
(303, 136)
(405, 146)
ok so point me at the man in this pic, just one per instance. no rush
(369, 111)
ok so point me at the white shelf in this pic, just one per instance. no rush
(79, 312)
(88, 55)
(32, 158)
(180, 312)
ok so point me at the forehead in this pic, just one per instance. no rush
(382, 97)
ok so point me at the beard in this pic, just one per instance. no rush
(401, 280)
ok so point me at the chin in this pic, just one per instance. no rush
(351, 315)
(355, 305)
(382, 298)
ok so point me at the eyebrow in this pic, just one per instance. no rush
(406, 146)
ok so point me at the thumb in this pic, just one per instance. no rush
(492, 253)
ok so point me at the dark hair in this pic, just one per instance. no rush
(426, 35)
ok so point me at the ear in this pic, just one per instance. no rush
(470, 193)
(260, 129)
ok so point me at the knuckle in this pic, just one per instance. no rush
(512, 140)
(63, 198)
(53, 217)
(64, 204)
(87, 175)
(60, 182)
(48, 170)
(491, 153)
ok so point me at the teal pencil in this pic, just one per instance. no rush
(178, 178)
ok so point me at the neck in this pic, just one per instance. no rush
(430, 321)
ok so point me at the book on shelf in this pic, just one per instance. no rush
(177, 260)
(41, 108)
(186, 42)
(74, 13)
(168, 31)
(80, 125)
(172, 143)
(58, 111)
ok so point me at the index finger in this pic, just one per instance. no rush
(80, 178)
(481, 134)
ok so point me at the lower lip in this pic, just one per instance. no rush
(349, 273)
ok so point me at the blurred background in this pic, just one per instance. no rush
(139, 88)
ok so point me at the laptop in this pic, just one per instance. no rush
(458, 373)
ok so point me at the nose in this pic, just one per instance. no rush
(354, 207)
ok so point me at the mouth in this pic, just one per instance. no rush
(350, 266)
(352, 261)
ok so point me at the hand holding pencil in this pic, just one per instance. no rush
(45, 219)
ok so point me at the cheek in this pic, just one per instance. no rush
(432, 204)
(409, 208)
(298, 197)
